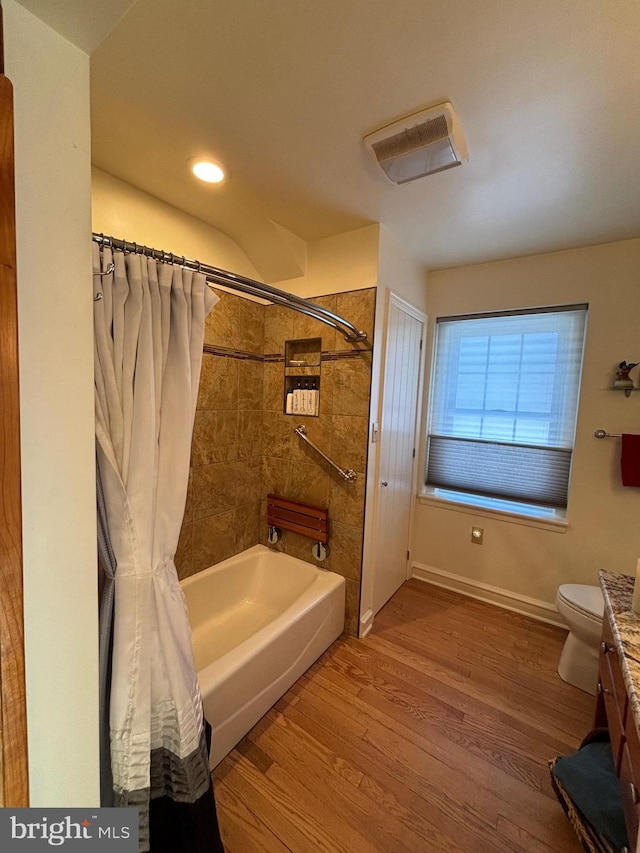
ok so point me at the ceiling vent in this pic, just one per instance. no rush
(421, 144)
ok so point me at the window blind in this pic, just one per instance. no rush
(504, 404)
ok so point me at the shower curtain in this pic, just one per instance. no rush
(149, 331)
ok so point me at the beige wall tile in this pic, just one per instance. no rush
(346, 502)
(214, 488)
(249, 434)
(214, 539)
(326, 388)
(188, 509)
(248, 526)
(248, 481)
(263, 513)
(250, 329)
(358, 307)
(275, 476)
(215, 437)
(273, 399)
(250, 384)
(351, 387)
(309, 483)
(278, 328)
(319, 431)
(352, 608)
(349, 442)
(221, 323)
(218, 383)
(277, 434)
(184, 553)
(345, 555)
(307, 327)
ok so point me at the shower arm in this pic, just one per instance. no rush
(240, 283)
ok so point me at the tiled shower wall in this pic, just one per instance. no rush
(245, 447)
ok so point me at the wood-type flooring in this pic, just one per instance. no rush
(432, 735)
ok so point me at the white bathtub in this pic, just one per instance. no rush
(259, 620)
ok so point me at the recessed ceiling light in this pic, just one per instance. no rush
(206, 170)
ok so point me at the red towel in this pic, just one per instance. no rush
(630, 460)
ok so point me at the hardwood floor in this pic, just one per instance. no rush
(432, 734)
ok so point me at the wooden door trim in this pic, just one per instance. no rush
(14, 790)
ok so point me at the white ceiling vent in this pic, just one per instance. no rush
(418, 145)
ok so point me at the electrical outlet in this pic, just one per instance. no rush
(477, 535)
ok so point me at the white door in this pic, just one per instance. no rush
(397, 437)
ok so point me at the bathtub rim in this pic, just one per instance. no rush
(325, 582)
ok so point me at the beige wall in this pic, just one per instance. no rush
(343, 262)
(602, 514)
(51, 83)
(340, 263)
(400, 273)
(122, 211)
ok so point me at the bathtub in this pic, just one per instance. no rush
(258, 621)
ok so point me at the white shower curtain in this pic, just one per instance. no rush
(149, 332)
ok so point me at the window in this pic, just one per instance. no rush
(504, 400)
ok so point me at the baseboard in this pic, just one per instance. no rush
(366, 624)
(533, 607)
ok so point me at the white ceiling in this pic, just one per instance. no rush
(282, 91)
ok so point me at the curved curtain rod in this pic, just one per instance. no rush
(240, 283)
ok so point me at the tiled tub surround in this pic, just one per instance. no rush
(244, 446)
(222, 515)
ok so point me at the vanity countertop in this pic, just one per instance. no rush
(625, 625)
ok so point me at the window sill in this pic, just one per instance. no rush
(555, 525)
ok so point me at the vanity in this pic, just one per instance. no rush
(618, 702)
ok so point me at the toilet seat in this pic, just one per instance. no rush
(583, 599)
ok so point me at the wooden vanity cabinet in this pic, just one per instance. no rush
(614, 712)
(630, 776)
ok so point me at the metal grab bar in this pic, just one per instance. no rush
(349, 474)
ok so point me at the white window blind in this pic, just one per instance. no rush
(504, 403)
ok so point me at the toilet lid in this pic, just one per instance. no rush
(582, 597)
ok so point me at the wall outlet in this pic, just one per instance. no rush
(477, 535)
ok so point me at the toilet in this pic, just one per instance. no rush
(582, 608)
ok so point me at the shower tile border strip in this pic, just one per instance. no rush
(275, 358)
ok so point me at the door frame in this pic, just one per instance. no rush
(424, 319)
(14, 790)
(373, 465)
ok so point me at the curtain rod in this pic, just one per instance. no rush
(240, 283)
